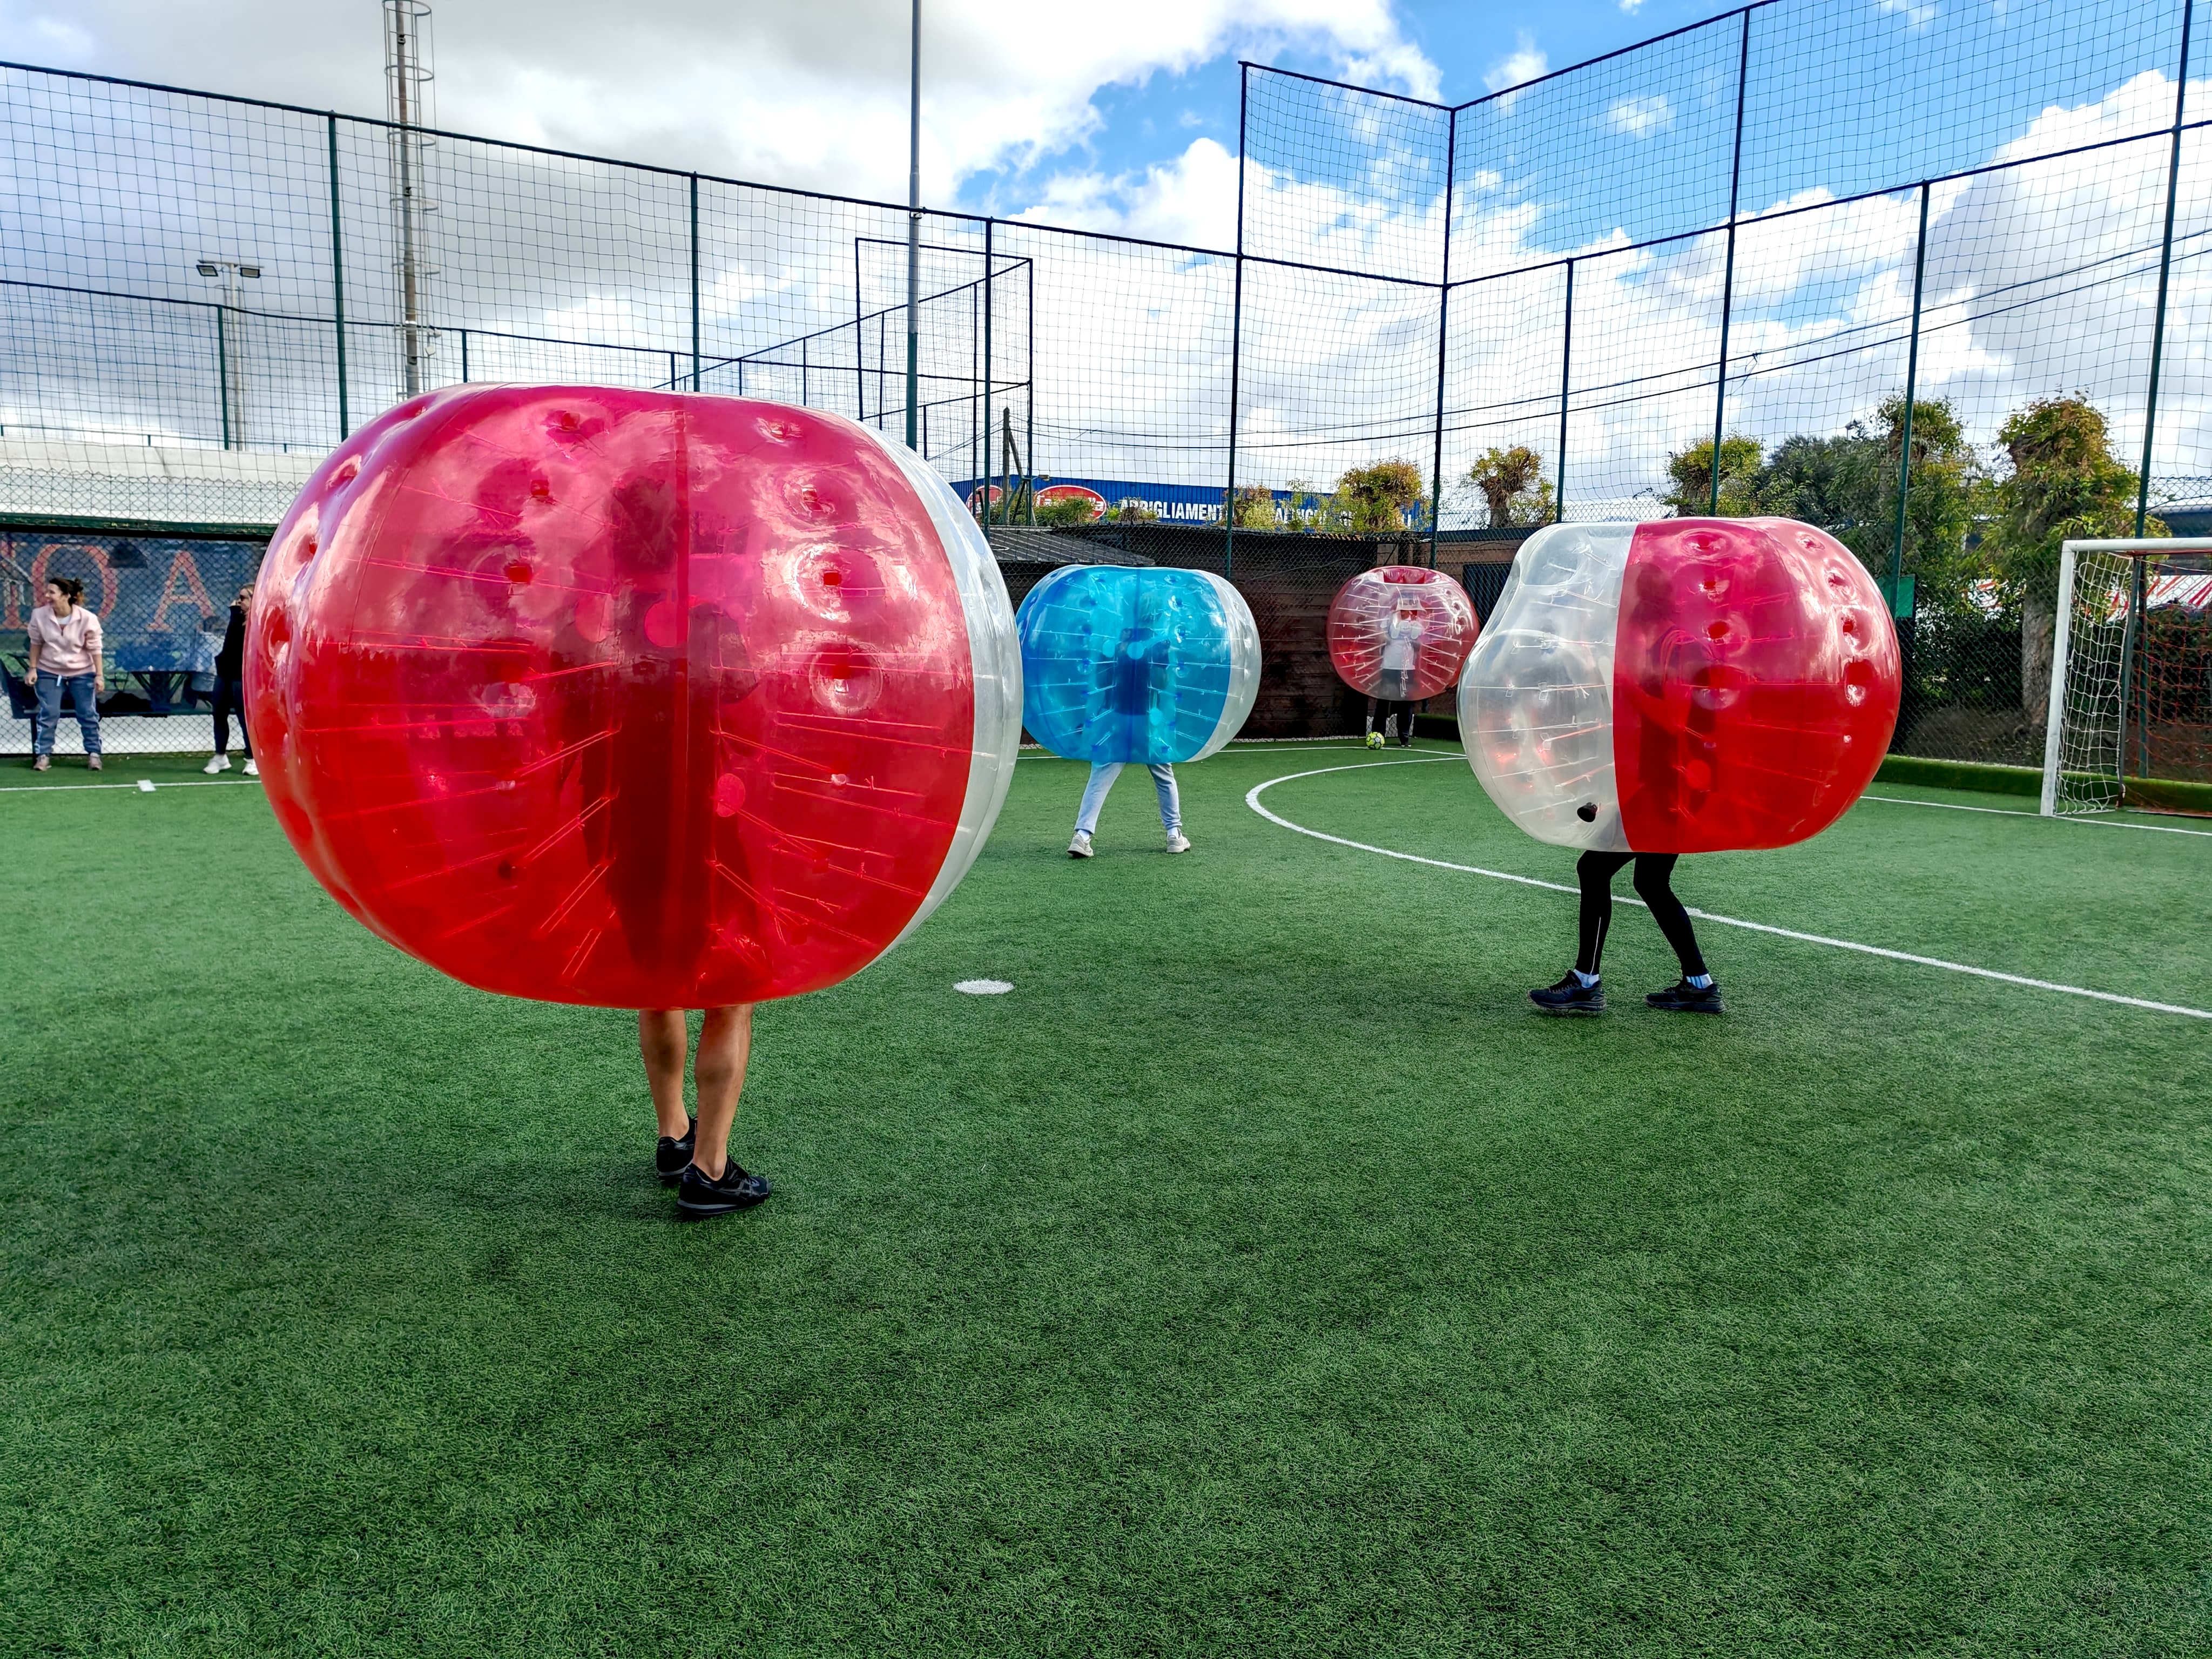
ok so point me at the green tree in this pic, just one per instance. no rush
(1255, 508)
(1067, 510)
(1940, 502)
(1377, 499)
(1846, 483)
(1512, 486)
(2063, 484)
(1690, 479)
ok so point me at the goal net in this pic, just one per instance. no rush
(2131, 672)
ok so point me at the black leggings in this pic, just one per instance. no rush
(230, 700)
(1595, 872)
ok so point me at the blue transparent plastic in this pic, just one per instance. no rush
(1146, 665)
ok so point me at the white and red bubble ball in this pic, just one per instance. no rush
(1401, 632)
(633, 699)
(1685, 685)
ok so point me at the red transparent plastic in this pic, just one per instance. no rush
(1755, 680)
(624, 698)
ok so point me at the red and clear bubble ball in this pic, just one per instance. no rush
(1686, 685)
(1401, 632)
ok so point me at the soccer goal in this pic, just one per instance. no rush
(2131, 670)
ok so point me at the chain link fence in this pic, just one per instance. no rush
(1819, 258)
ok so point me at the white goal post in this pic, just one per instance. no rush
(2100, 599)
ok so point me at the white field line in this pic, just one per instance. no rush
(2014, 812)
(178, 783)
(1252, 800)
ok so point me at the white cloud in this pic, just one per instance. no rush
(1632, 7)
(813, 96)
(41, 38)
(1638, 116)
(1525, 64)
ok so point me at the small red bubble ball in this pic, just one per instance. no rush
(632, 699)
(1685, 686)
(1401, 632)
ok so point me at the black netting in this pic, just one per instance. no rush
(1855, 244)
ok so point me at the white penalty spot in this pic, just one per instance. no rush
(983, 988)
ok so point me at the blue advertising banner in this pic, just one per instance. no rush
(161, 602)
(1170, 503)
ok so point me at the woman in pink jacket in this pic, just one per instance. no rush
(65, 648)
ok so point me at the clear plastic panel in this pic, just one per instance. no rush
(1535, 704)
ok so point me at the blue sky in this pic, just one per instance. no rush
(1474, 49)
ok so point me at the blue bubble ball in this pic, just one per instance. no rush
(1147, 665)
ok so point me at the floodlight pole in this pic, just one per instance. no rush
(229, 351)
(913, 233)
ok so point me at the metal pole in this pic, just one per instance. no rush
(464, 356)
(1566, 371)
(1911, 389)
(694, 285)
(222, 371)
(1235, 325)
(1029, 413)
(989, 259)
(1443, 322)
(338, 282)
(913, 231)
(2165, 266)
(1727, 283)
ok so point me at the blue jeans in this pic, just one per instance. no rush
(50, 687)
(1103, 773)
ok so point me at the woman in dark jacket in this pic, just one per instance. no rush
(230, 688)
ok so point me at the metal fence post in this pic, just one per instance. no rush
(1236, 327)
(1727, 281)
(338, 280)
(1912, 388)
(2138, 594)
(2165, 268)
(1443, 327)
(1029, 433)
(695, 284)
(1566, 372)
(464, 356)
(984, 454)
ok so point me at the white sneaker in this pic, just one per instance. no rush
(1080, 846)
(252, 767)
(220, 764)
(1178, 842)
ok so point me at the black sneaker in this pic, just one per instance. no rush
(1569, 996)
(672, 1157)
(1684, 997)
(702, 1196)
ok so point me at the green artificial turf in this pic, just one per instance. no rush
(1260, 1276)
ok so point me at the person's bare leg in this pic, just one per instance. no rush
(660, 1041)
(725, 1041)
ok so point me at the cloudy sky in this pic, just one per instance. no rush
(1107, 116)
(2040, 279)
